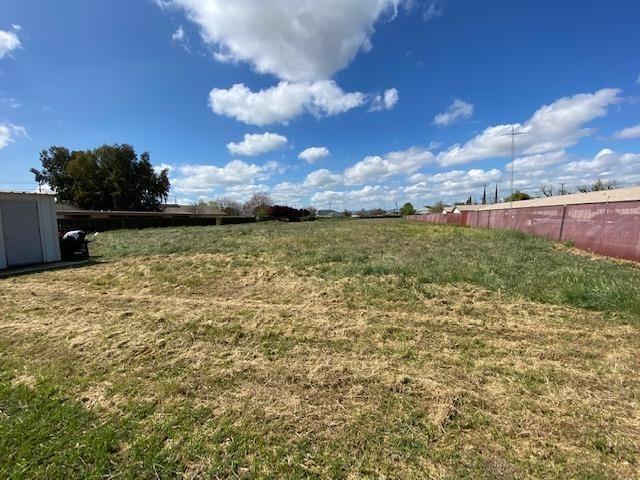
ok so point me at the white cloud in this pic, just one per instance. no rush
(178, 35)
(367, 197)
(606, 160)
(205, 178)
(454, 183)
(244, 192)
(552, 127)
(11, 103)
(432, 9)
(296, 41)
(257, 144)
(375, 168)
(313, 154)
(9, 132)
(538, 161)
(283, 102)
(322, 178)
(458, 110)
(386, 101)
(9, 41)
(293, 194)
(16, 27)
(390, 98)
(638, 80)
(631, 132)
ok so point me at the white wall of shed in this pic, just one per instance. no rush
(47, 222)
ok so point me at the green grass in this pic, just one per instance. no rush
(333, 349)
(503, 261)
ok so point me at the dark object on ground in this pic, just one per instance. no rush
(74, 245)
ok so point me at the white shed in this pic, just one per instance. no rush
(28, 229)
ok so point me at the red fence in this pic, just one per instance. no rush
(611, 229)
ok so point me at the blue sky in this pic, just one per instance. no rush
(389, 100)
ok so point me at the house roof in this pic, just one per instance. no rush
(603, 196)
(468, 208)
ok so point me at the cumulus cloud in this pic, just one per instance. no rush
(313, 154)
(205, 178)
(295, 41)
(283, 102)
(605, 161)
(553, 127)
(257, 144)
(178, 35)
(287, 193)
(322, 178)
(375, 168)
(630, 132)
(386, 101)
(538, 161)
(454, 182)
(367, 196)
(458, 110)
(9, 132)
(9, 42)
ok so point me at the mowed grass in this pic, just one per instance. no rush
(334, 349)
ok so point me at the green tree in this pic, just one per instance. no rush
(437, 207)
(407, 209)
(111, 177)
(517, 196)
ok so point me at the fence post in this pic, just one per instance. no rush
(564, 214)
(604, 222)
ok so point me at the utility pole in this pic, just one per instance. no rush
(513, 153)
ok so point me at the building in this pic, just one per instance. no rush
(465, 208)
(28, 229)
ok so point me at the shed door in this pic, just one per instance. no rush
(21, 232)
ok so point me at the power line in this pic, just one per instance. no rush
(513, 153)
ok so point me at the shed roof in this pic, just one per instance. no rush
(16, 192)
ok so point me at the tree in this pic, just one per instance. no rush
(111, 177)
(257, 203)
(407, 209)
(517, 196)
(484, 196)
(598, 186)
(437, 207)
(546, 190)
(227, 205)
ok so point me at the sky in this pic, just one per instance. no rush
(330, 103)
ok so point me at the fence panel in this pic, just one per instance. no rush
(583, 225)
(546, 221)
(620, 236)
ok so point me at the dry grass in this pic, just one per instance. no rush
(248, 367)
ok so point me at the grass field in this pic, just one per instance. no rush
(333, 349)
